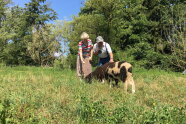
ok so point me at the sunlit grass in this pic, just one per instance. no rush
(47, 95)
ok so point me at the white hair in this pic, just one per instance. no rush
(84, 35)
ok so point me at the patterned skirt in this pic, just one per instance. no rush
(83, 69)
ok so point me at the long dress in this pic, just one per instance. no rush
(84, 69)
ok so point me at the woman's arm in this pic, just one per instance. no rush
(91, 54)
(81, 56)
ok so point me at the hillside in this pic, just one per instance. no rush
(48, 95)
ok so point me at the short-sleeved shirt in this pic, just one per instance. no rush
(85, 49)
(104, 50)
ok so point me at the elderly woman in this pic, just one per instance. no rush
(103, 50)
(85, 53)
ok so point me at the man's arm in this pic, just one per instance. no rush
(110, 53)
(111, 57)
(95, 50)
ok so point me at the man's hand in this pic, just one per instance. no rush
(98, 51)
(111, 60)
(111, 57)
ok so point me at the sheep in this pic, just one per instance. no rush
(117, 71)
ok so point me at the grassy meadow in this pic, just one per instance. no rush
(35, 95)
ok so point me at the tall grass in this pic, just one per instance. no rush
(48, 95)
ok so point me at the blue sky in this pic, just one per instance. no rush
(64, 8)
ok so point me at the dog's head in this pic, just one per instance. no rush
(88, 78)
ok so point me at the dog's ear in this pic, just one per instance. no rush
(123, 73)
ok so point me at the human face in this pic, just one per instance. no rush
(84, 40)
(100, 44)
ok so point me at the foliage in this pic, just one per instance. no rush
(147, 32)
(37, 13)
(43, 46)
(17, 31)
(61, 63)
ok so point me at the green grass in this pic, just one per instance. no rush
(47, 95)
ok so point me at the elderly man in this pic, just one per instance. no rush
(103, 50)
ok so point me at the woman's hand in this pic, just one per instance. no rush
(83, 61)
(90, 58)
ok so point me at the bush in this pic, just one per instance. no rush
(144, 55)
(71, 60)
(2, 65)
(61, 63)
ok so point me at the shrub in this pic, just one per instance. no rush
(2, 65)
(61, 63)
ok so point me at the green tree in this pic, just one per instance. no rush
(144, 32)
(3, 8)
(168, 33)
(18, 30)
(37, 13)
(121, 23)
(43, 46)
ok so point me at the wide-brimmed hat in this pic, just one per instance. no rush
(99, 39)
(84, 35)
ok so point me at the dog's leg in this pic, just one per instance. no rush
(131, 81)
(110, 82)
(133, 85)
(126, 86)
(102, 81)
(116, 82)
